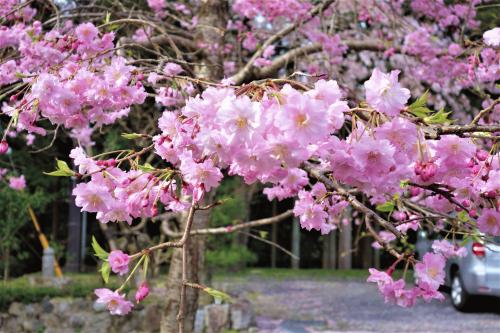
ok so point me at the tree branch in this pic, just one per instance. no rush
(245, 72)
(333, 186)
(436, 131)
(234, 228)
(290, 56)
(484, 112)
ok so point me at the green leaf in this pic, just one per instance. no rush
(439, 117)
(217, 294)
(108, 17)
(421, 112)
(263, 234)
(465, 240)
(146, 167)
(421, 102)
(62, 170)
(105, 271)
(386, 207)
(61, 165)
(59, 173)
(178, 186)
(131, 136)
(404, 183)
(98, 250)
(463, 216)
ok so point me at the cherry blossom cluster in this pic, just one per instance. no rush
(429, 276)
(272, 9)
(74, 77)
(119, 196)
(116, 303)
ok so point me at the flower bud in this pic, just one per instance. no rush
(142, 292)
(482, 155)
(4, 146)
(428, 171)
(491, 194)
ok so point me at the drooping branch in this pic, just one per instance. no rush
(234, 228)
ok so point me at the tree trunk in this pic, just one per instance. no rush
(196, 248)
(212, 16)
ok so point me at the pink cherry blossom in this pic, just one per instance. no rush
(92, 197)
(492, 37)
(17, 183)
(431, 270)
(448, 249)
(489, 222)
(115, 302)
(86, 32)
(172, 69)
(118, 262)
(204, 173)
(385, 94)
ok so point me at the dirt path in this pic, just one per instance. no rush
(301, 306)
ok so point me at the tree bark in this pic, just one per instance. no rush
(196, 259)
(212, 16)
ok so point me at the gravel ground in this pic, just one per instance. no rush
(352, 306)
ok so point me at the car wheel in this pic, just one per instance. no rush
(460, 299)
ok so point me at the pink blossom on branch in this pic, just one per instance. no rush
(385, 94)
(431, 270)
(119, 262)
(492, 37)
(489, 222)
(114, 301)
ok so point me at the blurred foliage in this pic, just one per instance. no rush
(13, 216)
(230, 258)
(224, 251)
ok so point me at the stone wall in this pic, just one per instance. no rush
(65, 315)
